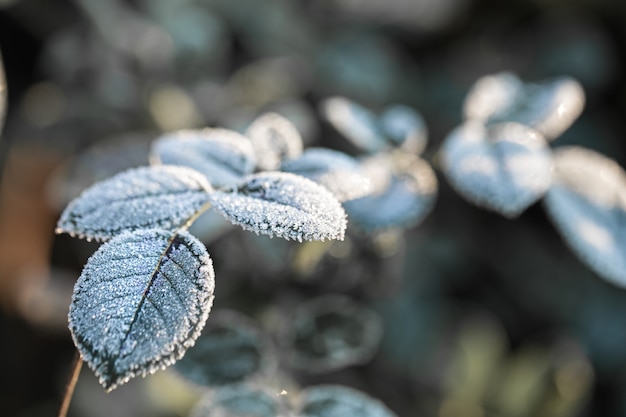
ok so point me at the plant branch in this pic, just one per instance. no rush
(77, 364)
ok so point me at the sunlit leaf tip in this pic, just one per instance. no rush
(274, 138)
(503, 167)
(341, 174)
(284, 205)
(141, 300)
(161, 196)
(356, 123)
(223, 156)
(340, 401)
(587, 204)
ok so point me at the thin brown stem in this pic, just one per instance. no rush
(71, 384)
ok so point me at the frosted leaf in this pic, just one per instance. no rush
(549, 108)
(332, 332)
(230, 350)
(223, 156)
(340, 401)
(504, 167)
(140, 302)
(405, 127)
(587, 204)
(147, 197)
(355, 122)
(237, 401)
(284, 205)
(274, 138)
(338, 172)
(406, 195)
(3, 95)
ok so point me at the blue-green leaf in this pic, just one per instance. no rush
(338, 172)
(549, 107)
(587, 204)
(355, 122)
(140, 302)
(504, 167)
(405, 127)
(340, 401)
(284, 205)
(237, 401)
(230, 350)
(405, 189)
(274, 138)
(332, 332)
(223, 156)
(162, 197)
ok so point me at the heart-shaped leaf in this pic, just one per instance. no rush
(161, 196)
(237, 401)
(504, 167)
(274, 138)
(332, 332)
(340, 401)
(405, 128)
(356, 123)
(405, 189)
(140, 302)
(549, 107)
(587, 204)
(230, 350)
(339, 173)
(223, 156)
(282, 204)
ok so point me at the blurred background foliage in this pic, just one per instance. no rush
(476, 315)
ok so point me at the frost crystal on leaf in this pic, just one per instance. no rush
(549, 108)
(504, 167)
(274, 138)
(340, 401)
(230, 350)
(587, 204)
(339, 173)
(404, 194)
(148, 197)
(355, 122)
(283, 204)
(223, 156)
(405, 127)
(140, 302)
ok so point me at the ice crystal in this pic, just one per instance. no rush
(231, 349)
(405, 127)
(339, 173)
(140, 302)
(587, 204)
(340, 401)
(237, 401)
(355, 122)
(284, 205)
(223, 156)
(549, 108)
(274, 138)
(146, 197)
(402, 198)
(505, 167)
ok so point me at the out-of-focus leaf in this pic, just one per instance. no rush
(405, 127)
(355, 122)
(274, 138)
(338, 172)
(231, 349)
(340, 401)
(140, 302)
(550, 107)
(587, 204)
(237, 401)
(282, 204)
(504, 167)
(332, 332)
(223, 156)
(401, 199)
(3, 95)
(161, 196)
